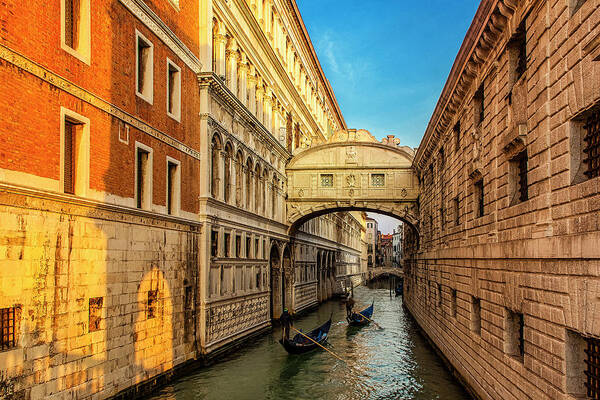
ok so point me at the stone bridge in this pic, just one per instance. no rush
(352, 171)
(375, 273)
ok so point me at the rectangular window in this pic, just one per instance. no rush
(227, 244)
(173, 90)
(453, 303)
(152, 304)
(173, 187)
(8, 327)
(514, 342)
(517, 52)
(74, 152)
(591, 150)
(457, 136)
(144, 68)
(479, 199)
(456, 206)
(592, 372)
(143, 177)
(256, 248)
(95, 313)
(69, 157)
(479, 107)
(75, 28)
(214, 243)
(327, 180)
(238, 246)
(378, 180)
(248, 249)
(442, 214)
(476, 315)
(518, 167)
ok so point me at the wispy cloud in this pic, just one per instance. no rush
(342, 68)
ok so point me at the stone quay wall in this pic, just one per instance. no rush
(505, 280)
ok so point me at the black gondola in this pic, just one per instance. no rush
(399, 290)
(356, 319)
(300, 344)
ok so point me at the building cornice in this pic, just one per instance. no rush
(490, 21)
(142, 12)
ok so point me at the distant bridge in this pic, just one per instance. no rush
(375, 273)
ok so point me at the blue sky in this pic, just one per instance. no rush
(387, 60)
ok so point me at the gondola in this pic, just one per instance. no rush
(399, 290)
(300, 344)
(357, 319)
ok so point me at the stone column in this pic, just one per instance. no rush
(219, 42)
(252, 89)
(232, 61)
(221, 184)
(268, 108)
(259, 100)
(243, 79)
(275, 119)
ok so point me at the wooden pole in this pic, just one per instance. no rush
(318, 344)
(370, 320)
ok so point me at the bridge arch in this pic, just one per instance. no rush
(352, 172)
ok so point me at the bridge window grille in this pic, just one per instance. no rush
(378, 180)
(327, 180)
(8, 328)
(592, 372)
(592, 145)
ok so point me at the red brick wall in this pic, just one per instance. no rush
(31, 108)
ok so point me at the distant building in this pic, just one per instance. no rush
(398, 236)
(372, 234)
(386, 251)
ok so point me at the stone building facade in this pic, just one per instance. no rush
(503, 276)
(142, 187)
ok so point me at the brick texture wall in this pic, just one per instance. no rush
(538, 257)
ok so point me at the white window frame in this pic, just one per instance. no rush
(147, 204)
(176, 115)
(176, 187)
(83, 50)
(149, 79)
(82, 158)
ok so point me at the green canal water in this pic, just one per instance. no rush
(393, 363)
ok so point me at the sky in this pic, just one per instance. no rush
(387, 61)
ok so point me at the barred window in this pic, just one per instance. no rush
(479, 199)
(592, 372)
(478, 101)
(327, 180)
(8, 326)
(378, 180)
(456, 204)
(592, 145)
(152, 304)
(457, 136)
(95, 313)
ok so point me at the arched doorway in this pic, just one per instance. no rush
(276, 282)
(287, 283)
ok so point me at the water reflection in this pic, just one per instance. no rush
(393, 363)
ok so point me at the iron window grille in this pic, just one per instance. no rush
(327, 180)
(95, 313)
(522, 176)
(479, 197)
(152, 302)
(593, 368)
(521, 335)
(592, 145)
(378, 180)
(7, 328)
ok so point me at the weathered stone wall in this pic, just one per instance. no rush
(55, 255)
(474, 276)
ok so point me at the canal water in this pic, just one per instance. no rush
(390, 363)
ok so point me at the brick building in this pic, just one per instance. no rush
(504, 275)
(142, 187)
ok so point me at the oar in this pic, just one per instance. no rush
(370, 320)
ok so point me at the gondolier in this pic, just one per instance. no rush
(286, 322)
(349, 307)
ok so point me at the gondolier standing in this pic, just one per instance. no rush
(349, 307)
(286, 322)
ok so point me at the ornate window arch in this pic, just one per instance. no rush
(239, 177)
(249, 168)
(215, 150)
(257, 195)
(228, 156)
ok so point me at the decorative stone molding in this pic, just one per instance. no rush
(162, 31)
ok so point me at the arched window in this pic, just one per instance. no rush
(263, 194)
(227, 172)
(248, 183)
(257, 195)
(274, 197)
(239, 178)
(214, 165)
